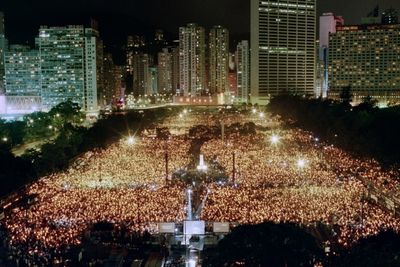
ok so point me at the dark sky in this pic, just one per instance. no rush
(119, 17)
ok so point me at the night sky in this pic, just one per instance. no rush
(121, 17)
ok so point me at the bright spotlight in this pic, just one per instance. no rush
(301, 163)
(262, 114)
(130, 141)
(274, 139)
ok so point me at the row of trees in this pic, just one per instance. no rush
(364, 129)
(40, 125)
(71, 140)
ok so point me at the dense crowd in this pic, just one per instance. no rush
(295, 179)
(328, 186)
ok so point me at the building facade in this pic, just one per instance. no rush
(282, 48)
(243, 71)
(22, 80)
(328, 23)
(141, 77)
(366, 58)
(219, 59)
(165, 71)
(192, 60)
(68, 66)
(3, 49)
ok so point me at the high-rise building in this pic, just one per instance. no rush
(390, 16)
(3, 48)
(112, 82)
(22, 80)
(328, 23)
(134, 45)
(192, 60)
(175, 69)
(2, 28)
(243, 71)
(365, 58)
(219, 56)
(165, 71)
(282, 48)
(68, 66)
(141, 81)
(152, 87)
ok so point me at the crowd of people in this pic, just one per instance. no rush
(296, 178)
(293, 178)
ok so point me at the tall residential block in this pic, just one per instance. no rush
(3, 48)
(243, 71)
(141, 74)
(328, 23)
(192, 60)
(68, 66)
(365, 58)
(282, 48)
(22, 79)
(219, 57)
(165, 71)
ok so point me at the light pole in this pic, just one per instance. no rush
(166, 163)
(234, 166)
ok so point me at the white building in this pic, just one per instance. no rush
(22, 80)
(68, 66)
(192, 60)
(3, 48)
(282, 48)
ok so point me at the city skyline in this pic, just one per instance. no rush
(143, 18)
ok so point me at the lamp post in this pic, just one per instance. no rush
(234, 167)
(166, 163)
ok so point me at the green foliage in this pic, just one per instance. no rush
(69, 140)
(363, 130)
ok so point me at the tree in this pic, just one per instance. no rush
(345, 95)
(380, 250)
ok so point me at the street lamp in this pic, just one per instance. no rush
(5, 139)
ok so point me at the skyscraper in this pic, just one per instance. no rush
(192, 60)
(243, 71)
(134, 45)
(327, 25)
(165, 71)
(175, 69)
(3, 48)
(141, 77)
(365, 58)
(282, 47)
(68, 66)
(219, 56)
(22, 79)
